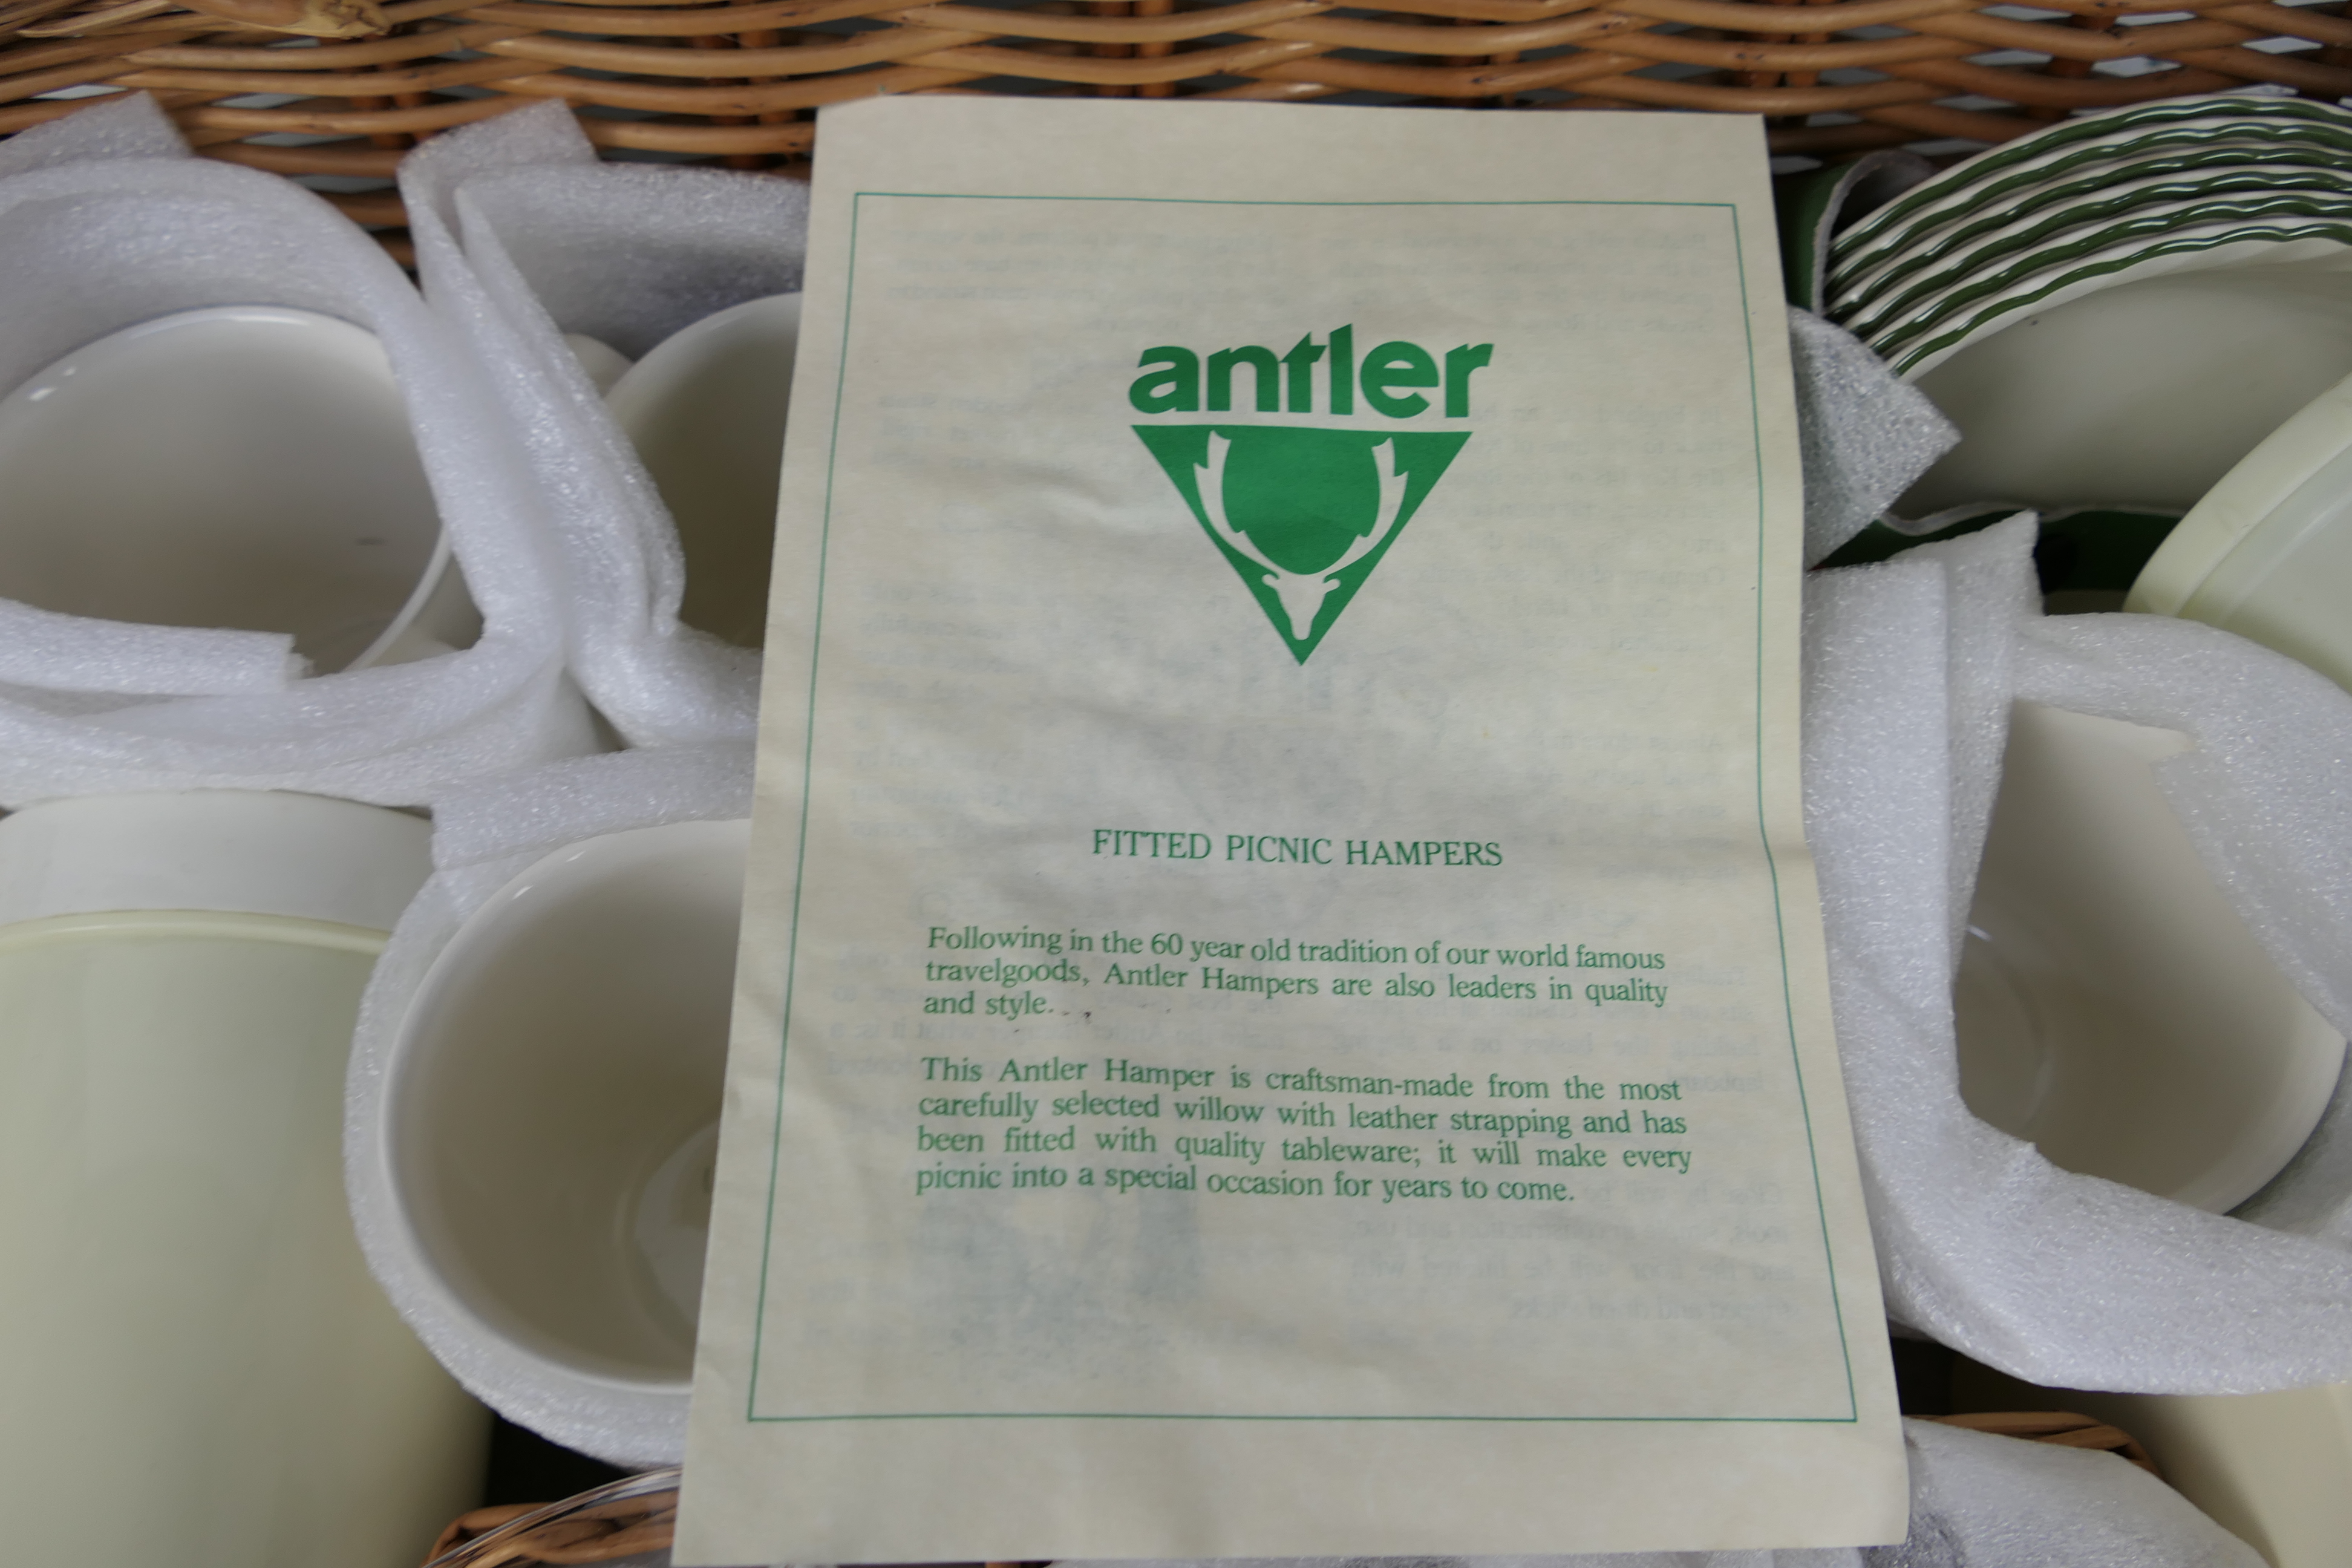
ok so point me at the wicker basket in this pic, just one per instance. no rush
(627, 1523)
(739, 83)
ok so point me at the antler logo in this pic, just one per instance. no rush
(1303, 516)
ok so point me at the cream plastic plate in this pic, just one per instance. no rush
(1987, 180)
(2145, 392)
(2112, 1008)
(2121, 213)
(2272, 1469)
(604, 363)
(2082, 191)
(1958, 316)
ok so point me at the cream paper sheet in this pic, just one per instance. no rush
(1281, 1008)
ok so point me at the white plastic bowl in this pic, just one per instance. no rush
(239, 466)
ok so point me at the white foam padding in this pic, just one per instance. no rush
(2057, 1278)
(107, 220)
(1977, 1501)
(483, 837)
(521, 237)
(1864, 434)
(53, 652)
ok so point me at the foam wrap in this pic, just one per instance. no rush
(522, 235)
(2058, 1278)
(1864, 434)
(483, 837)
(80, 653)
(106, 220)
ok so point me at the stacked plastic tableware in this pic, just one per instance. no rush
(2118, 309)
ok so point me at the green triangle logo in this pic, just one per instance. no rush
(1303, 516)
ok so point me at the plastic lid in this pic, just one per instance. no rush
(235, 851)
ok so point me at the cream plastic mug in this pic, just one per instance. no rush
(536, 1155)
(706, 412)
(195, 1368)
(2111, 1007)
(2272, 1469)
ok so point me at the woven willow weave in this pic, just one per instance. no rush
(739, 83)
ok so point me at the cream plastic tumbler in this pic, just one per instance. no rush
(195, 1368)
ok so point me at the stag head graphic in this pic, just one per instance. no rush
(1303, 515)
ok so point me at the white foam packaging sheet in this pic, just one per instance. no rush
(483, 837)
(107, 221)
(2058, 1278)
(1864, 433)
(522, 237)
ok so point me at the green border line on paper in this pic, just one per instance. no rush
(808, 755)
(1764, 838)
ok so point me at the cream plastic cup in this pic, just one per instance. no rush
(238, 465)
(198, 1369)
(2275, 1470)
(549, 1124)
(2267, 552)
(705, 410)
(2272, 1469)
(2112, 1008)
